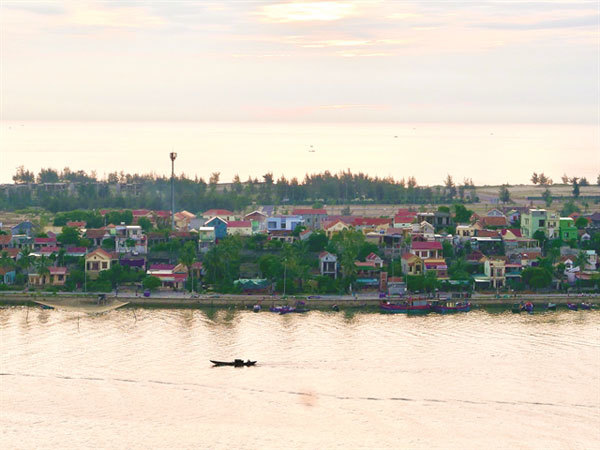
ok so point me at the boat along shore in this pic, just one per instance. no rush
(248, 301)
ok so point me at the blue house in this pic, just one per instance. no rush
(220, 226)
(7, 275)
(25, 227)
(283, 223)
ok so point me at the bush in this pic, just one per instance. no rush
(151, 283)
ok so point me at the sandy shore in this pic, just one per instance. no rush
(247, 301)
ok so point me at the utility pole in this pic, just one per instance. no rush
(284, 273)
(173, 155)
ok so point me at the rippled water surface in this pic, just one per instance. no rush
(141, 379)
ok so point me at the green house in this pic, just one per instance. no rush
(532, 221)
(568, 230)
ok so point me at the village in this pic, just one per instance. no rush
(304, 250)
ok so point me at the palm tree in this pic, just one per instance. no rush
(41, 266)
(187, 257)
(6, 261)
(582, 260)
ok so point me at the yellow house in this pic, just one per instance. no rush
(335, 227)
(495, 271)
(97, 261)
(57, 276)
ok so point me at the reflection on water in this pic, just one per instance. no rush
(140, 378)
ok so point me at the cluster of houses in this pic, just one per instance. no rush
(416, 239)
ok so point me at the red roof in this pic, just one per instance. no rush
(5, 239)
(76, 250)
(140, 212)
(197, 265)
(370, 221)
(79, 224)
(514, 231)
(12, 252)
(163, 214)
(324, 253)
(308, 211)
(57, 270)
(50, 249)
(493, 221)
(372, 256)
(100, 252)
(404, 219)
(44, 240)
(162, 266)
(217, 212)
(408, 256)
(429, 245)
(239, 224)
(369, 264)
(487, 233)
(95, 233)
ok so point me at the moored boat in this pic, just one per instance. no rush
(409, 306)
(572, 306)
(551, 306)
(584, 305)
(445, 307)
(523, 307)
(234, 363)
(256, 308)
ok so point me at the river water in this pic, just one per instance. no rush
(141, 378)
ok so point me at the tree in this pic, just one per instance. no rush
(565, 179)
(584, 182)
(187, 257)
(151, 283)
(450, 187)
(504, 194)
(462, 214)
(537, 277)
(23, 176)
(47, 176)
(41, 267)
(582, 260)
(69, 236)
(569, 208)
(575, 187)
(543, 179)
(581, 223)
(547, 196)
(447, 249)
(317, 241)
(534, 178)
(145, 223)
(540, 236)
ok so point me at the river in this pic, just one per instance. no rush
(141, 378)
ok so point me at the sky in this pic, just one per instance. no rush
(299, 61)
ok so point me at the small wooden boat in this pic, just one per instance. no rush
(584, 305)
(234, 363)
(335, 307)
(410, 306)
(551, 307)
(528, 307)
(572, 306)
(446, 307)
(256, 308)
(523, 307)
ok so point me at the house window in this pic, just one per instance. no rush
(95, 265)
(542, 222)
(104, 265)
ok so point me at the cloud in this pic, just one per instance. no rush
(306, 11)
(35, 7)
(572, 22)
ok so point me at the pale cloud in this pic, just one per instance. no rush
(306, 11)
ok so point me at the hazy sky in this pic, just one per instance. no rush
(437, 61)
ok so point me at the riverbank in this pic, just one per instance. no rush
(247, 301)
